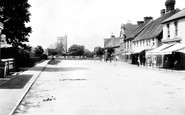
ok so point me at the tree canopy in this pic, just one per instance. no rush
(76, 50)
(98, 51)
(39, 51)
(110, 50)
(88, 53)
(14, 15)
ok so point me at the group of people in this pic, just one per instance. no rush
(141, 61)
(110, 57)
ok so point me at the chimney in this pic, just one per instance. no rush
(112, 35)
(140, 22)
(148, 18)
(170, 5)
(162, 12)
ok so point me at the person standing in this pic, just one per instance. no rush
(138, 61)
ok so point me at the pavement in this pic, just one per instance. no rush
(12, 93)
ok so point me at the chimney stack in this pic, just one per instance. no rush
(170, 5)
(162, 12)
(148, 18)
(112, 35)
(140, 22)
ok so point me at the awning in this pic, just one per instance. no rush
(128, 53)
(137, 51)
(158, 49)
(181, 50)
(173, 48)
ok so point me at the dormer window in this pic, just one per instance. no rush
(176, 28)
(168, 30)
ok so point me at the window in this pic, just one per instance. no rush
(168, 30)
(176, 28)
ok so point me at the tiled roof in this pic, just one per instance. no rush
(180, 14)
(129, 28)
(154, 28)
(106, 42)
(112, 42)
(138, 29)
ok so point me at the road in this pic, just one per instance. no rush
(87, 87)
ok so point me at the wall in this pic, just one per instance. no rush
(181, 30)
(145, 44)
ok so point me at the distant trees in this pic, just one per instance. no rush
(76, 50)
(110, 50)
(52, 51)
(39, 51)
(98, 51)
(27, 56)
(14, 14)
(88, 53)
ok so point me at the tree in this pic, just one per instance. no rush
(110, 50)
(14, 14)
(39, 51)
(88, 53)
(76, 50)
(98, 51)
(52, 51)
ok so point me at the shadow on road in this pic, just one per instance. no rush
(54, 62)
(18, 82)
(49, 69)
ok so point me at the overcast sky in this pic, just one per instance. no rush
(87, 22)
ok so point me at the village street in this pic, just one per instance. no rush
(88, 87)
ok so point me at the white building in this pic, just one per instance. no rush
(174, 33)
(174, 28)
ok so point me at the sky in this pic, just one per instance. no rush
(87, 22)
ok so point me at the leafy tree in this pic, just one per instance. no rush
(52, 51)
(98, 51)
(76, 50)
(39, 51)
(110, 50)
(88, 53)
(14, 14)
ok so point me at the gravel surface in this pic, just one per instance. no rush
(102, 88)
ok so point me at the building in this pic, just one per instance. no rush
(174, 33)
(174, 28)
(125, 42)
(112, 42)
(62, 40)
(151, 36)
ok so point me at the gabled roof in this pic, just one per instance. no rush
(129, 28)
(106, 42)
(112, 42)
(179, 15)
(138, 29)
(154, 28)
